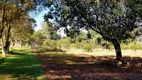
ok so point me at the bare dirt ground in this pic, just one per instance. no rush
(90, 67)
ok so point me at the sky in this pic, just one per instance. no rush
(39, 18)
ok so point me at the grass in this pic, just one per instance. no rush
(20, 63)
(104, 52)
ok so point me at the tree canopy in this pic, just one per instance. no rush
(13, 14)
(114, 20)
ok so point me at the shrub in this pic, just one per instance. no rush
(72, 45)
(132, 46)
(78, 44)
(66, 42)
(125, 47)
(87, 47)
(50, 44)
(111, 47)
(59, 44)
(135, 46)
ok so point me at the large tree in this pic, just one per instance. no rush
(114, 20)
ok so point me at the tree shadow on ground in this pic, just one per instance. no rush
(16, 53)
(21, 66)
(43, 50)
(90, 68)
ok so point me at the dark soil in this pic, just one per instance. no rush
(90, 68)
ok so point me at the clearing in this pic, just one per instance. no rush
(96, 65)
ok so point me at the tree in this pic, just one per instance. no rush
(81, 37)
(73, 33)
(6, 6)
(20, 34)
(114, 20)
(9, 21)
(3, 12)
(50, 31)
(12, 11)
(39, 37)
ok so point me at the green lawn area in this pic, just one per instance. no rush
(21, 64)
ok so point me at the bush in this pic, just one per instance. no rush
(124, 46)
(59, 44)
(51, 44)
(78, 44)
(66, 42)
(111, 47)
(87, 47)
(132, 46)
(72, 45)
(135, 46)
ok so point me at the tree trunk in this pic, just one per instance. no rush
(3, 52)
(2, 26)
(117, 50)
(5, 49)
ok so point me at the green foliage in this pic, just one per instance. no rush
(78, 44)
(50, 30)
(111, 47)
(87, 46)
(38, 37)
(50, 44)
(132, 46)
(136, 4)
(114, 20)
(45, 35)
(53, 33)
(59, 44)
(125, 47)
(111, 21)
(73, 33)
(139, 40)
(66, 42)
(135, 46)
(81, 37)
(14, 16)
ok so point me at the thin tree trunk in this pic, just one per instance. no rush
(3, 52)
(20, 43)
(117, 50)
